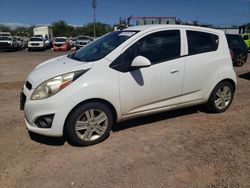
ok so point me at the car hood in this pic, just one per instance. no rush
(6, 41)
(35, 41)
(54, 67)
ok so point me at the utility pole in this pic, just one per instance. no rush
(94, 7)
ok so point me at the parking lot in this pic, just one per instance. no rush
(183, 148)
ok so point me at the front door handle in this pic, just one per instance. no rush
(174, 71)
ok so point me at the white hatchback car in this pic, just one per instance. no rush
(126, 74)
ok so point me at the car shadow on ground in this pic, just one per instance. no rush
(142, 121)
(245, 76)
(157, 117)
(52, 141)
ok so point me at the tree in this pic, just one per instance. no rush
(248, 27)
(61, 28)
(101, 29)
(4, 28)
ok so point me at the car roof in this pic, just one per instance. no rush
(82, 36)
(169, 26)
(61, 38)
(37, 37)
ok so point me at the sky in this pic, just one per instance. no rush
(79, 12)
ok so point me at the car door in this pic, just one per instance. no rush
(201, 62)
(159, 85)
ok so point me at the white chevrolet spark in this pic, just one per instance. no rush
(126, 74)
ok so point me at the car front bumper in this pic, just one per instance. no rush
(34, 109)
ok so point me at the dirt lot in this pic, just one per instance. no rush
(184, 148)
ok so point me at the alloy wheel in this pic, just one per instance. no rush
(91, 125)
(241, 59)
(223, 97)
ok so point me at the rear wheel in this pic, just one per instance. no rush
(89, 124)
(241, 59)
(221, 97)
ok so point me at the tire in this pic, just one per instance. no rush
(240, 59)
(88, 124)
(221, 97)
(29, 49)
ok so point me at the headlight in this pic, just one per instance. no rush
(54, 85)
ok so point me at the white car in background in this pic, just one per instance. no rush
(126, 74)
(8, 43)
(36, 43)
(82, 41)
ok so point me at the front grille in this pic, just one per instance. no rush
(5, 44)
(59, 45)
(83, 43)
(28, 85)
(35, 44)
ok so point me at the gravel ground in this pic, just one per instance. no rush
(183, 148)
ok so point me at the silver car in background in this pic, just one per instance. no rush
(82, 41)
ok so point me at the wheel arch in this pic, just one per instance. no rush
(112, 108)
(230, 80)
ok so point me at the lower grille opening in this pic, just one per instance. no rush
(44, 121)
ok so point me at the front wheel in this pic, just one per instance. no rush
(89, 124)
(221, 97)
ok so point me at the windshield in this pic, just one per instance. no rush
(5, 34)
(83, 38)
(102, 46)
(60, 40)
(5, 38)
(36, 39)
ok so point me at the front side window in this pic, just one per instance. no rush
(160, 46)
(201, 42)
(157, 47)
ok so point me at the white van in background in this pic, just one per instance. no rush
(46, 32)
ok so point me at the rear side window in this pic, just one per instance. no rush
(234, 40)
(201, 42)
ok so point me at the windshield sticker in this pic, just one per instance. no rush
(127, 34)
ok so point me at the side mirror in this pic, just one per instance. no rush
(140, 62)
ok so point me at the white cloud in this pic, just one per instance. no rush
(14, 25)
